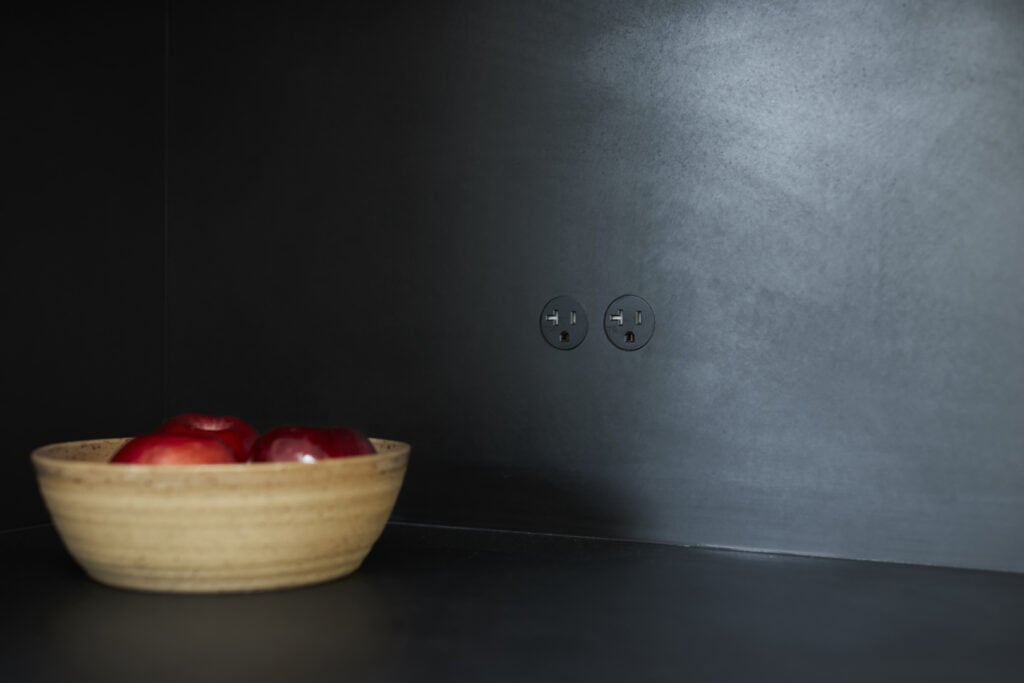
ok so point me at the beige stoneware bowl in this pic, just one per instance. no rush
(217, 528)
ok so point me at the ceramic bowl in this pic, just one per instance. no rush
(217, 528)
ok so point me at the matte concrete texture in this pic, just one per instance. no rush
(435, 604)
(369, 205)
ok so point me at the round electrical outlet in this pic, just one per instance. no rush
(629, 322)
(563, 322)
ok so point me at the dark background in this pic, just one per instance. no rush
(82, 254)
(367, 207)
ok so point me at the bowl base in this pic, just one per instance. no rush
(217, 584)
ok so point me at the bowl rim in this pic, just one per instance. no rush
(42, 455)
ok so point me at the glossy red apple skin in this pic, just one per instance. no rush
(174, 449)
(238, 434)
(309, 444)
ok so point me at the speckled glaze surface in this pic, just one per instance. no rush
(217, 528)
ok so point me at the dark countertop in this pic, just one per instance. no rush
(441, 604)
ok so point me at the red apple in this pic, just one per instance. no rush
(174, 449)
(238, 434)
(309, 444)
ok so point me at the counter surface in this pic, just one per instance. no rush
(442, 604)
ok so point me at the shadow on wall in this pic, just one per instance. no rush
(511, 498)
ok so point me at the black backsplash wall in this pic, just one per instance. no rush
(81, 262)
(368, 207)
(822, 201)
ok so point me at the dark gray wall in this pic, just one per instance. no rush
(81, 265)
(822, 201)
